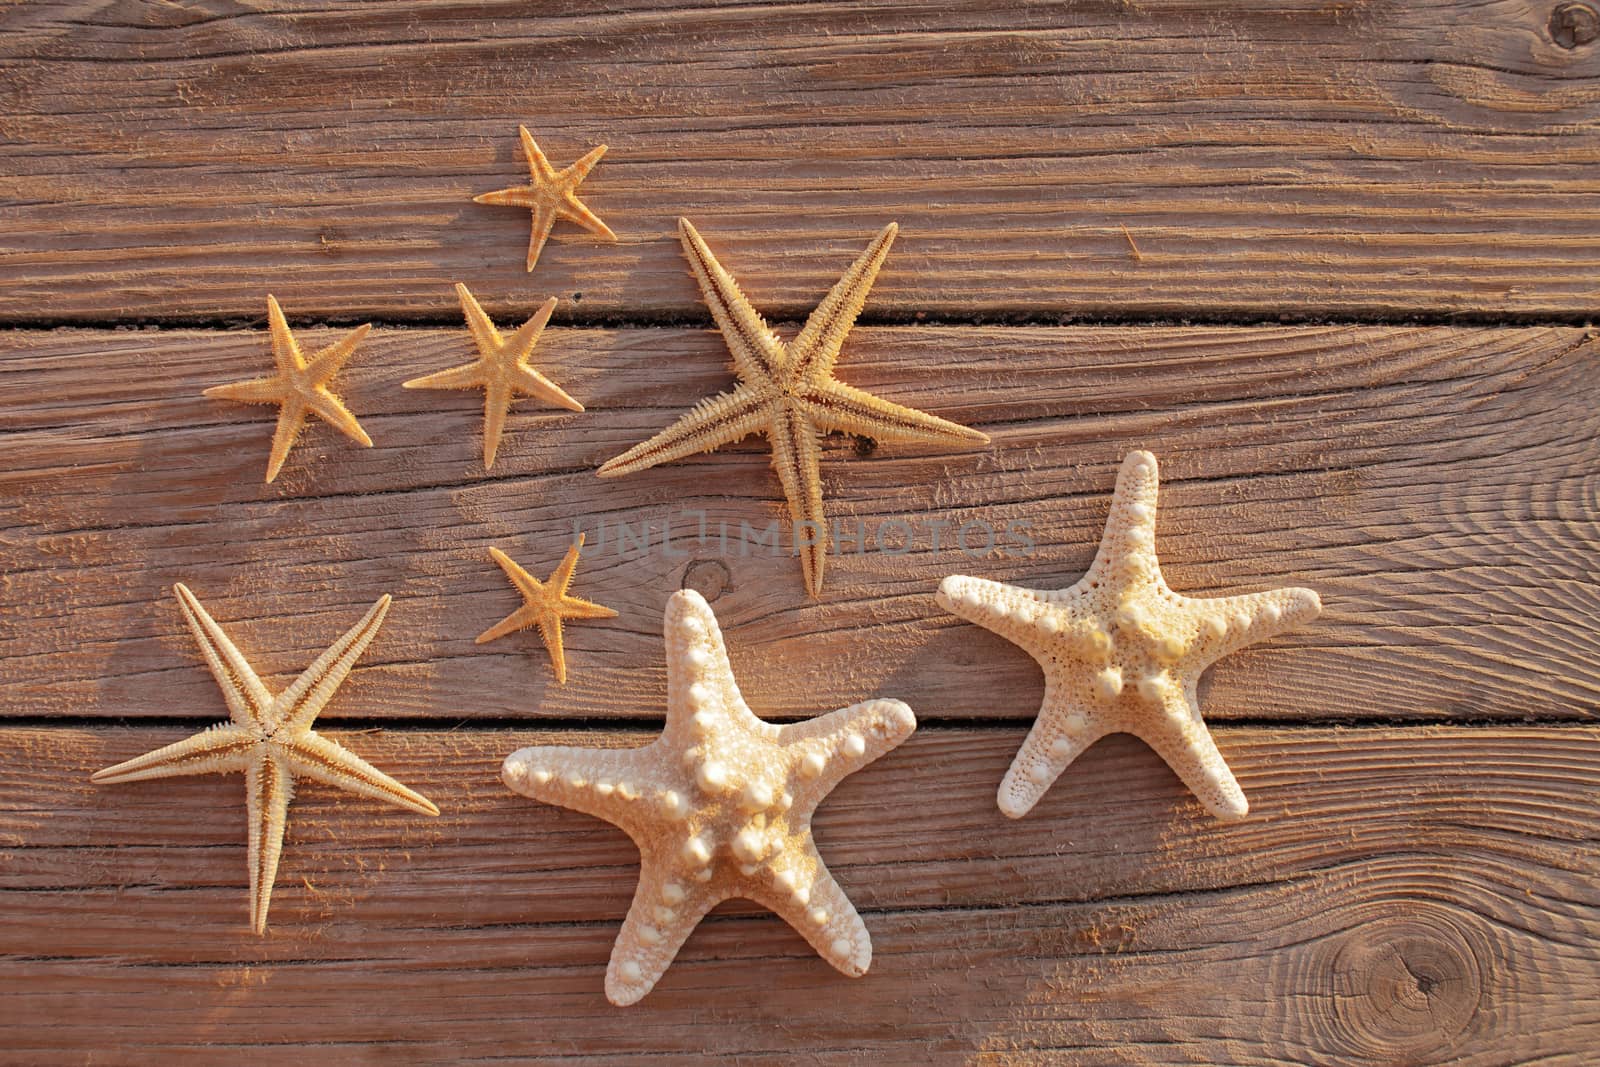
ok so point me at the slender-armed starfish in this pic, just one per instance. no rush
(501, 370)
(270, 739)
(545, 605)
(1122, 653)
(788, 393)
(298, 387)
(551, 195)
(720, 806)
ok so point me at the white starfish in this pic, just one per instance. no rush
(1123, 653)
(720, 806)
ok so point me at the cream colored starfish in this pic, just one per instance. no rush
(551, 195)
(720, 806)
(501, 370)
(788, 392)
(545, 605)
(298, 387)
(270, 739)
(1122, 653)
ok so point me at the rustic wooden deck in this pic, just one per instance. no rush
(1332, 261)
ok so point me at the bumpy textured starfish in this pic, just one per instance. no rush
(788, 392)
(270, 739)
(720, 806)
(298, 387)
(552, 195)
(1122, 653)
(545, 605)
(501, 370)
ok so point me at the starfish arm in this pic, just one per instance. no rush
(479, 325)
(520, 619)
(285, 349)
(466, 376)
(516, 196)
(1059, 735)
(576, 210)
(520, 344)
(1184, 742)
(838, 406)
(610, 784)
(829, 747)
(698, 670)
(299, 704)
(538, 166)
(248, 700)
(530, 382)
(550, 631)
(813, 352)
(1028, 618)
(711, 423)
(268, 789)
(531, 588)
(254, 391)
(561, 580)
(577, 608)
(331, 409)
(544, 220)
(796, 456)
(323, 760)
(573, 176)
(330, 360)
(820, 912)
(1226, 624)
(291, 418)
(665, 911)
(757, 353)
(1127, 554)
(496, 405)
(218, 750)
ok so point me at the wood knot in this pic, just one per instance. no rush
(1574, 24)
(708, 577)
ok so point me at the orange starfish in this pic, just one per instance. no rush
(553, 195)
(298, 387)
(545, 605)
(501, 370)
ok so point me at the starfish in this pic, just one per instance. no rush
(270, 739)
(501, 370)
(553, 195)
(788, 392)
(298, 387)
(1122, 653)
(545, 604)
(720, 806)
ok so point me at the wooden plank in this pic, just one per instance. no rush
(174, 163)
(1450, 919)
(1436, 485)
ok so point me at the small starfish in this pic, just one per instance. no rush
(1122, 653)
(298, 387)
(788, 392)
(552, 195)
(720, 806)
(270, 739)
(501, 370)
(546, 604)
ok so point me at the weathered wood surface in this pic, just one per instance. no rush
(1450, 919)
(172, 162)
(1437, 486)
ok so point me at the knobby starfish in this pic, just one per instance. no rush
(545, 605)
(501, 370)
(1122, 653)
(298, 387)
(270, 739)
(720, 806)
(788, 393)
(552, 195)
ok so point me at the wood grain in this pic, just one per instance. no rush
(1450, 920)
(1437, 486)
(173, 162)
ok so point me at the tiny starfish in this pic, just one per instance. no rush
(501, 370)
(788, 393)
(1122, 653)
(552, 195)
(270, 739)
(298, 387)
(720, 806)
(546, 604)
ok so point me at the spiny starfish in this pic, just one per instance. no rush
(270, 739)
(545, 605)
(501, 370)
(720, 806)
(552, 195)
(788, 392)
(1122, 653)
(298, 387)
